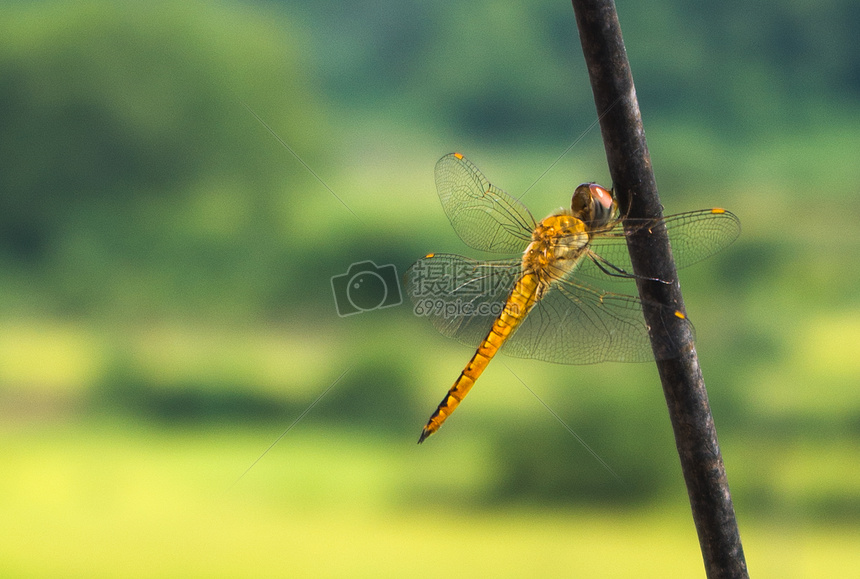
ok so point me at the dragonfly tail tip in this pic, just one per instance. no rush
(424, 434)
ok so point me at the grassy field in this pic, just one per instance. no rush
(102, 498)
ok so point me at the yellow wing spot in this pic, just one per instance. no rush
(458, 155)
(679, 314)
(718, 210)
(429, 255)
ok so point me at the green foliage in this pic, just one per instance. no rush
(134, 177)
(515, 73)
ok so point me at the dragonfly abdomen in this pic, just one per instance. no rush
(520, 301)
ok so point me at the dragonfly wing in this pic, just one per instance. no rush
(694, 236)
(697, 235)
(462, 297)
(485, 217)
(577, 324)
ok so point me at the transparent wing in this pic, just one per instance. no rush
(577, 324)
(573, 323)
(461, 296)
(694, 236)
(485, 217)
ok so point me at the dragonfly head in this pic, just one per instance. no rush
(593, 204)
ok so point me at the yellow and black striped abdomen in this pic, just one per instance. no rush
(523, 297)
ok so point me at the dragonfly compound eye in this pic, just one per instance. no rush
(580, 204)
(602, 205)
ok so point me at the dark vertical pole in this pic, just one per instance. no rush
(683, 386)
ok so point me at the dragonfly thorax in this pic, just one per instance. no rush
(557, 244)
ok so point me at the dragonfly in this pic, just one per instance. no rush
(549, 302)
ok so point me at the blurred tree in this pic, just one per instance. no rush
(509, 73)
(131, 171)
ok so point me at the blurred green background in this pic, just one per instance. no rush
(167, 310)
